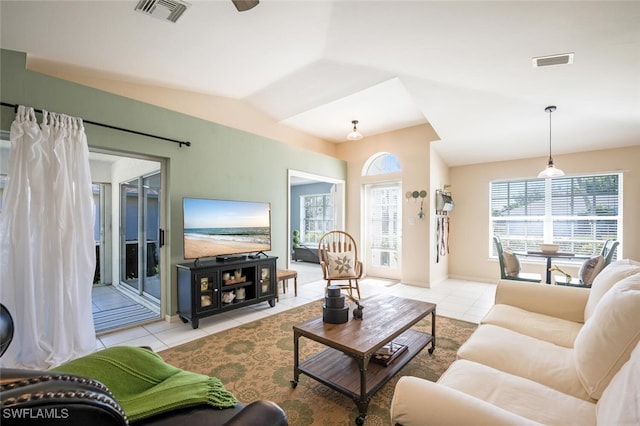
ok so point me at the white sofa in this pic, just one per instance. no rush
(544, 354)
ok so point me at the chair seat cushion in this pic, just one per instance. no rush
(544, 327)
(518, 395)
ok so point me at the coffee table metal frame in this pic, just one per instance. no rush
(345, 365)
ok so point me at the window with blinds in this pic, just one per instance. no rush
(317, 216)
(578, 213)
(384, 220)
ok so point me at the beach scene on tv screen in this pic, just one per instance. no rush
(221, 227)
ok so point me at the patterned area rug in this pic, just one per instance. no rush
(255, 361)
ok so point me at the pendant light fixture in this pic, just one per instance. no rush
(354, 135)
(551, 170)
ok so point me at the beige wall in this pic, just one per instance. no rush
(439, 265)
(470, 239)
(412, 147)
(238, 114)
(222, 162)
(422, 169)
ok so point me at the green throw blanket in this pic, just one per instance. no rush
(145, 385)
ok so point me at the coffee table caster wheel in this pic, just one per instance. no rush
(294, 384)
(360, 420)
(431, 350)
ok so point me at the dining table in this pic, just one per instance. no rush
(548, 255)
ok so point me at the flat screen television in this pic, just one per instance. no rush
(219, 228)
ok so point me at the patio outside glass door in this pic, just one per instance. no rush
(139, 235)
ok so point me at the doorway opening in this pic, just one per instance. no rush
(316, 204)
(127, 287)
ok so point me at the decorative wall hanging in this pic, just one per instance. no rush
(444, 204)
(414, 195)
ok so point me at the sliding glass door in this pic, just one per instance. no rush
(139, 235)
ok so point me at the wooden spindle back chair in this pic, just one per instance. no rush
(338, 255)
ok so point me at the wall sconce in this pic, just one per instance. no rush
(415, 194)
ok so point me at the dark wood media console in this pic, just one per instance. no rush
(204, 287)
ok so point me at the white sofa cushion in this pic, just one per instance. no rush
(544, 327)
(524, 356)
(419, 402)
(521, 396)
(605, 342)
(554, 300)
(619, 404)
(610, 275)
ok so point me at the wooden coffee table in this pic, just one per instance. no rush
(344, 365)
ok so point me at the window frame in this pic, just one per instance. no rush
(571, 231)
(312, 236)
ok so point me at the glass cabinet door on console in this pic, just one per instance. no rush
(209, 294)
(267, 280)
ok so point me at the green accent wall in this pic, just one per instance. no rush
(222, 162)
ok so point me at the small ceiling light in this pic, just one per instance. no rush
(354, 135)
(551, 170)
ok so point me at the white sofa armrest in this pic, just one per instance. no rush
(419, 402)
(557, 301)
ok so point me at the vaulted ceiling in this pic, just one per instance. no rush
(464, 67)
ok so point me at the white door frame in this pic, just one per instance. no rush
(391, 273)
(339, 201)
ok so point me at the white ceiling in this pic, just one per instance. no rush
(464, 67)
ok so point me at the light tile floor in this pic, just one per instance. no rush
(465, 300)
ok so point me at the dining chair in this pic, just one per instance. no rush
(510, 265)
(609, 250)
(338, 255)
(590, 267)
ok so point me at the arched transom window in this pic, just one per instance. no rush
(380, 164)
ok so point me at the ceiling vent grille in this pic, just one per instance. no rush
(546, 61)
(167, 10)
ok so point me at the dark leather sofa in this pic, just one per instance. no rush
(48, 398)
(305, 254)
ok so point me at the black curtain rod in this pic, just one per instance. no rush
(108, 126)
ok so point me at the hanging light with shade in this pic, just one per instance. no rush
(354, 135)
(551, 171)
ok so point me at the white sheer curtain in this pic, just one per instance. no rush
(46, 241)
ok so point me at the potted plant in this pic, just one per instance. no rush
(296, 238)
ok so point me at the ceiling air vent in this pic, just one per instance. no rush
(546, 61)
(167, 10)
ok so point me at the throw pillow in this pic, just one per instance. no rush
(590, 268)
(619, 402)
(610, 275)
(341, 265)
(511, 263)
(606, 340)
